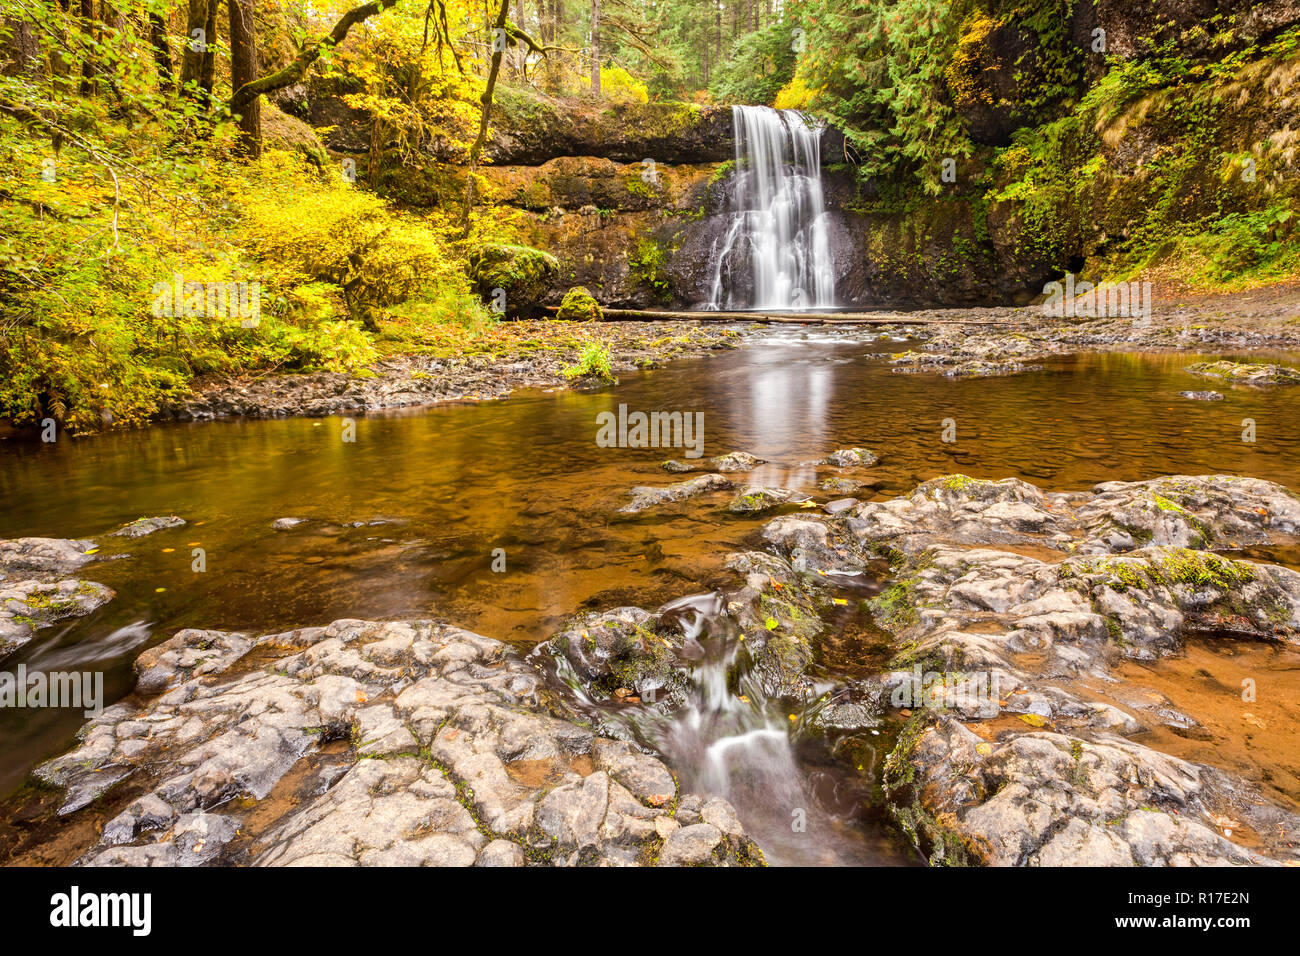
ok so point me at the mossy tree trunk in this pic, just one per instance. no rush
(476, 150)
(243, 69)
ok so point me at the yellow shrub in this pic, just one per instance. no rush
(618, 85)
(795, 95)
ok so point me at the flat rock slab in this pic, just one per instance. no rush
(449, 753)
(649, 496)
(1247, 373)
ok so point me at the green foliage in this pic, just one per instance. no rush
(330, 232)
(879, 66)
(760, 64)
(649, 263)
(594, 361)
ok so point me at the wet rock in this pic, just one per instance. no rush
(400, 812)
(815, 545)
(143, 526)
(957, 508)
(53, 555)
(1212, 511)
(194, 839)
(501, 853)
(736, 461)
(1202, 396)
(1247, 373)
(847, 486)
(955, 354)
(851, 458)
(148, 813)
(286, 524)
(522, 274)
(732, 462)
(776, 609)
(644, 777)
(982, 632)
(477, 768)
(620, 648)
(754, 499)
(27, 606)
(578, 305)
(1049, 799)
(649, 496)
(847, 708)
(1218, 511)
(189, 653)
(839, 506)
(690, 846)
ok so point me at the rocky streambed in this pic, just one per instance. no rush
(1009, 613)
(514, 355)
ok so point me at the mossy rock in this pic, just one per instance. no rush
(522, 273)
(579, 305)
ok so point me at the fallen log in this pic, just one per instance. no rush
(793, 318)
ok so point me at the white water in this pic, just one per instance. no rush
(776, 252)
(736, 745)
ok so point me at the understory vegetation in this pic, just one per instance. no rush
(163, 220)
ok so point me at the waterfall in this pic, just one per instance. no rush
(775, 254)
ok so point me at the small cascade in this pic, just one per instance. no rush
(730, 741)
(775, 254)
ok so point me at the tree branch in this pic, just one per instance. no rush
(308, 55)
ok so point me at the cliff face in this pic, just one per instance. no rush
(1184, 127)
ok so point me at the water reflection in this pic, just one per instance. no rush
(404, 521)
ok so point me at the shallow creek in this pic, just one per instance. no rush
(404, 521)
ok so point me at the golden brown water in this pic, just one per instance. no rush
(452, 483)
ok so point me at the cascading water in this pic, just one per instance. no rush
(776, 252)
(735, 743)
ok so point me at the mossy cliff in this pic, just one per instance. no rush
(1123, 138)
(1100, 138)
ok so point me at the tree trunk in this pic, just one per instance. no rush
(486, 100)
(162, 51)
(243, 69)
(521, 64)
(208, 70)
(300, 64)
(595, 48)
(717, 14)
(21, 57)
(196, 18)
(87, 64)
(60, 60)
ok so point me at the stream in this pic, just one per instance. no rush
(406, 521)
